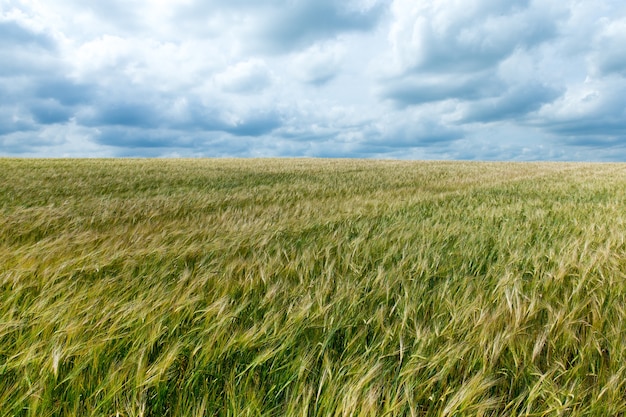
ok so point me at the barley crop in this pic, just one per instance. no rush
(297, 287)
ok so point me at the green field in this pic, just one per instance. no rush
(311, 288)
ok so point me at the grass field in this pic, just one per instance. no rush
(311, 288)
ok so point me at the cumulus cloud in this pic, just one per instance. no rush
(251, 76)
(318, 64)
(592, 113)
(119, 137)
(479, 79)
(125, 113)
(13, 119)
(279, 26)
(24, 50)
(13, 34)
(516, 102)
(425, 88)
(608, 56)
(301, 23)
(461, 36)
(50, 112)
(443, 50)
(63, 90)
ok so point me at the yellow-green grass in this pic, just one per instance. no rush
(311, 288)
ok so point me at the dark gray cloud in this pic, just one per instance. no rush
(128, 113)
(280, 26)
(417, 134)
(254, 122)
(516, 102)
(428, 87)
(591, 133)
(589, 114)
(32, 87)
(24, 51)
(612, 62)
(258, 125)
(19, 63)
(159, 142)
(156, 113)
(320, 79)
(296, 24)
(41, 101)
(13, 91)
(14, 35)
(50, 112)
(599, 142)
(64, 90)
(124, 137)
(13, 119)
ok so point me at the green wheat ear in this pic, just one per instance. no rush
(311, 288)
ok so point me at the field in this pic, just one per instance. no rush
(311, 288)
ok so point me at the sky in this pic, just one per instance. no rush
(407, 79)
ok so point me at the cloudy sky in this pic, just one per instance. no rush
(419, 79)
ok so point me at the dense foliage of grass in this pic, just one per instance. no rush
(311, 288)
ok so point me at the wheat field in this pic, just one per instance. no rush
(302, 287)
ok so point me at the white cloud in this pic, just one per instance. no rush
(608, 56)
(318, 64)
(460, 35)
(251, 76)
(102, 56)
(398, 78)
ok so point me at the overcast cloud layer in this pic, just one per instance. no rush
(422, 79)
